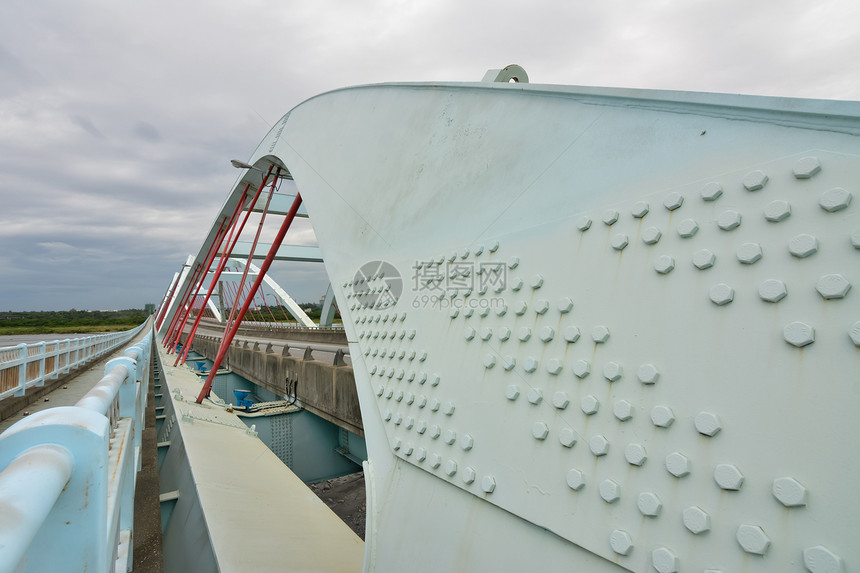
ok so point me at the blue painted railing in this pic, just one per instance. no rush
(28, 365)
(67, 476)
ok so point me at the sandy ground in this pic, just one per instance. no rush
(345, 496)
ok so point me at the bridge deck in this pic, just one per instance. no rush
(258, 514)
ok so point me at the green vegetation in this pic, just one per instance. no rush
(67, 321)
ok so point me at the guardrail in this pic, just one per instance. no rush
(67, 476)
(27, 365)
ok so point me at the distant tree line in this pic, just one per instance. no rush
(72, 318)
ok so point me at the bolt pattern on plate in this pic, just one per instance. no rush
(707, 369)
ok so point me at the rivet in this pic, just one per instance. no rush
(541, 306)
(806, 167)
(422, 401)
(422, 356)
(648, 374)
(696, 519)
(410, 376)
(712, 191)
(469, 475)
(410, 421)
(553, 366)
(575, 479)
(387, 415)
(704, 259)
(479, 251)
(389, 393)
(469, 333)
(512, 392)
(467, 442)
(502, 310)
(640, 209)
(799, 334)
(623, 410)
(448, 410)
(571, 333)
(664, 265)
(400, 374)
(530, 364)
(707, 424)
(503, 333)
(753, 539)
(486, 333)
(373, 369)
(832, 286)
(749, 253)
(422, 377)
(581, 368)
(451, 468)
(380, 390)
(513, 262)
(600, 334)
(619, 241)
(421, 454)
(755, 180)
(435, 431)
(560, 400)
(855, 238)
(609, 490)
(678, 464)
(635, 454)
(721, 294)
(589, 405)
(489, 361)
(777, 211)
(772, 290)
(583, 223)
(484, 312)
(494, 246)
(435, 405)
(408, 449)
(465, 254)
(516, 284)
(662, 416)
(547, 333)
(488, 484)
(535, 396)
(540, 431)
(450, 437)
(664, 561)
(612, 371)
(729, 220)
(854, 333)
(673, 201)
(399, 396)
(789, 492)
(537, 281)
(835, 199)
(687, 228)
(508, 362)
(397, 444)
(649, 504)
(567, 437)
(651, 235)
(610, 217)
(803, 245)
(520, 307)
(620, 542)
(435, 461)
(728, 477)
(565, 305)
(598, 445)
(819, 559)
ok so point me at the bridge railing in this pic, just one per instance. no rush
(27, 365)
(67, 476)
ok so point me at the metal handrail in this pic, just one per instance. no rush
(76, 464)
(28, 365)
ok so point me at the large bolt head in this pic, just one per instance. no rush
(678, 464)
(598, 445)
(649, 504)
(728, 477)
(664, 561)
(832, 286)
(728, 220)
(662, 416)
(687, 228)
(755, 180)
(753, 539)
(621, 542)
(835, 199)
(806, 167)
(673, 201)
(610, 491)
(799, 334)
(789, 492)
(697, 520)
(819, 559)
(635, 454)
(707, 423)
(712, 191)
(589, 405)
(575, 479)
(772, 290)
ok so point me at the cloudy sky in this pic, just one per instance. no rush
(118, 119)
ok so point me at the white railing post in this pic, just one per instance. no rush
(42, 354)
(22, 369)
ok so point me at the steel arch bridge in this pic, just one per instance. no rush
(599, 328)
